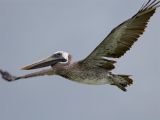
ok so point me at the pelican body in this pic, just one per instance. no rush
(73, 71)
(96, 68)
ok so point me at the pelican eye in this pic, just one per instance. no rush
(57, 55)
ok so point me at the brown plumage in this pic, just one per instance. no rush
(123, 36)
(96, 68)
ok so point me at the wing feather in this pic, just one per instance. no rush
(122, 37)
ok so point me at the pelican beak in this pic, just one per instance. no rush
(50, 61)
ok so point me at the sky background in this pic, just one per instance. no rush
(31, 30)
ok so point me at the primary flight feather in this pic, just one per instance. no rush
(96, 69)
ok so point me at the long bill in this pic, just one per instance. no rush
(50, 61)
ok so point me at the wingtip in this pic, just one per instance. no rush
(7, 76)
(151, 4)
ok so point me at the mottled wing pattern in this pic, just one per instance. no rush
(122, 37)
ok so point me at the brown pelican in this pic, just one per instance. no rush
(96, 68)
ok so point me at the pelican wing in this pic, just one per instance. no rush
(122, 37)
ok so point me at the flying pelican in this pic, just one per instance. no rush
(96, 68)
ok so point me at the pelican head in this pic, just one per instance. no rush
(59, 57)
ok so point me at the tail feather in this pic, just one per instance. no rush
(122, 81)
(127, 78)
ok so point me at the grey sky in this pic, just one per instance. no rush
(31, 30)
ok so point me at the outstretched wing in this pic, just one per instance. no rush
(122, 37)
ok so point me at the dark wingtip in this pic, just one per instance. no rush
(150, 4)
(7, 76)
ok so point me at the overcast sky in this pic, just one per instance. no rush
(31, 30)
